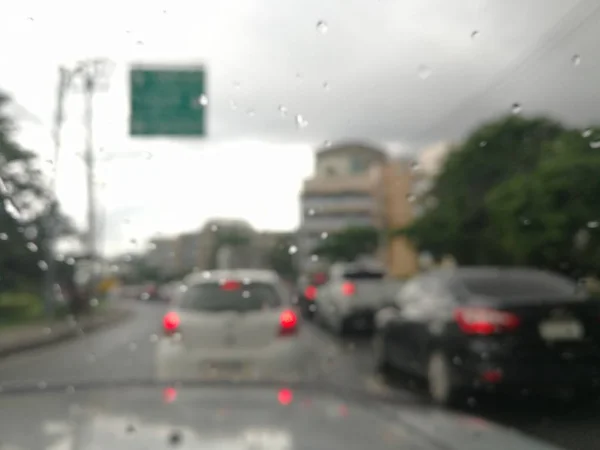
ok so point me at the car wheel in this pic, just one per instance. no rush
(442, 391)
(382, 364)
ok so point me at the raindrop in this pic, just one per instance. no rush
(214, 227)
(43, 265)
(94, 302)
(411, 197)
(322, 27)
(31, 232)
(472, 402)
(70, 260)
(283, 111)
(576, 60)
(154, 338)
(483, 144)
(70, 389)
(32, 247)
(593, 224)
(324, 235)
(184, 288)
(326, 85)
(237, 84)
(301, 122)
(327, 144)
(203, 100)
(311, 212)
(424, 72)
(586, 133)
(42, 385)
(516, 108)
(595, 144)
(314, 258)
(140, 42)
(130, 429)
(293, 249)
(474, 34)
(132, 346)
(414, 165)
(47, 330)
(3, 236)
(525, 221)
(233, 105)
(250, 112)
(175, 438)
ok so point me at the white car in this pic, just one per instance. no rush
(237, 323)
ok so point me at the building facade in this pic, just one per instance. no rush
(346, 190)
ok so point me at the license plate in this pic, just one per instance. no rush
(563, 330)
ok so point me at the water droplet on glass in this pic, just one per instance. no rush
(322, 27)
(326, 86)
(237, 84)
(301, 122)
(424, 72)
(516, 108)
(586, 133)
(525, 221)
(233, 105)
(175, 438)
(43, 265)
(472, 402)
(292, 250)
(132, 346)
(139, 43)
(314, 258)
(70, 260)
(154, 338)
(593, 224)
(214, 227)
(595, 144)
(250, 112)
(94, 302)
(283, 111)
(32, 247)
(483, 143)
(130, 429)
(31, 232)
(311, 212)
(474, 34)
(3, 236)
(414, 165)
(327, 144)
(411, 198)
(576, 60)
(203, 100)
(324, 235)
(42, 385)
(70, 389)
(47, 330)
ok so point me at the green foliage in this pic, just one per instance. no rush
(349, 244)
(16, 307)
(27, 212)
(518, 191)
(280, 259)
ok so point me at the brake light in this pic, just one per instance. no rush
(348, 288)
(171, 322)
(310, 293)
(485, 321)
(287, 322)
(231, 285)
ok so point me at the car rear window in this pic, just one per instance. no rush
(364, 275)
(513, 285)
(233, 296)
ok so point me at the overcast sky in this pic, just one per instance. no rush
(401, 73)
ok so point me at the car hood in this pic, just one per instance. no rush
(232, 418)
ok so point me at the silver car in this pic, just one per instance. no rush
(229, 322)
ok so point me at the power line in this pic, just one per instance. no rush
(549, 41)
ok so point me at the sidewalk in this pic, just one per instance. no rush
(26, 337)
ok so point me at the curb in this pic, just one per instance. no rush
(66, 334)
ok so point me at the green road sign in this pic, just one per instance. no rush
(167, 101)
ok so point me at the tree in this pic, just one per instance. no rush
(349, 244)
(492, 154)
(280, 259)
(27, 208)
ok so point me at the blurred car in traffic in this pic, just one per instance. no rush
(490, 329)
(352, 295)
(308, 285)
(229, 322)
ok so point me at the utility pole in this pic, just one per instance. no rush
(64, 80)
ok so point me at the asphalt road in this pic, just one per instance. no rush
(126, 352)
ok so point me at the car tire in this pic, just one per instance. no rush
(441, 387)
(382, 365)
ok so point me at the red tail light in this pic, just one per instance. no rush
(485, 321)
(171, 322)
(310, 293)
(348, 288)
(231, 285)
(288, 322)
